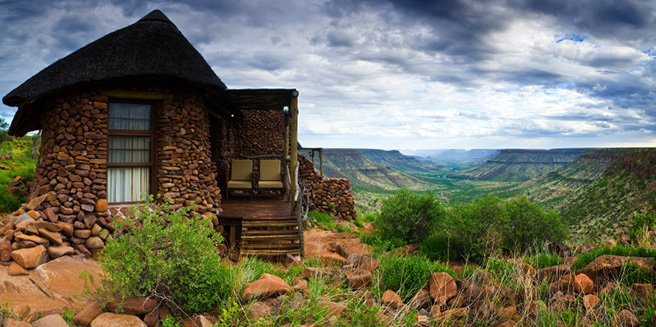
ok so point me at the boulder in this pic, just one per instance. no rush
(315, 272)
(109, 319)
(345, 250)
(9, 322)
(134, 305)
(197, 321)
(421, 300)
(644, 291)
(442, 287)
(363, 261)
(5, 250)
(583, 284)
(591, 301)
(608, 266)
(30, 257)
(625, 318)
(560, 248)
(332, 259)
(85, 316)
(391, 299)
(334, 308)
(267, 286)
(257, 310)
(358, 279)
(59, 251)
(53, 320)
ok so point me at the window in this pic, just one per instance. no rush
(131, 152)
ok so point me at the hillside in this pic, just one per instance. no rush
(522, 165)
(553, 188)
(456, 157)
(368, 174)
(608, 205)
(396, 160)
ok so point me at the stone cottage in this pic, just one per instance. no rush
(138, 112)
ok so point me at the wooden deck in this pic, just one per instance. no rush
(263, 226)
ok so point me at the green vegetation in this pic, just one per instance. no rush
(405, 275)
(168, 255)
(470, 231)
(15, 162)
(409, 217)
(621, 250)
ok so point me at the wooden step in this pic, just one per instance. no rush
(269, 249)
(269, 235)
(268, 252)
(269, 223)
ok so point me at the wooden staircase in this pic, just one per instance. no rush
(270, 236)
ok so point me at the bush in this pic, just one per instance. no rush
(642, 223)
(170, 257)
(530, 224)
(477, 229)
(409, 216)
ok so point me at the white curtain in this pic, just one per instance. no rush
(129, 148)
(127, 184)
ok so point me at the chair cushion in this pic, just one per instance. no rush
(241, 170)
(270, 170)
(240, 184)
(269, 184)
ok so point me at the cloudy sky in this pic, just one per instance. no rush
(397, 74)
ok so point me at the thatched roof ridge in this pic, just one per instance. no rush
(153, 47)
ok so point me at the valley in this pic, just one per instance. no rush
(598, 191)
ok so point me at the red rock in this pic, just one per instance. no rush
(85, 316)
(109, 319)
(267, 286)
(607, 266)
(259, 310)
(53, 320)
(16, 270)
(5, 250)
(391, 299)
(442, 287)
(583, 284)
(642, 290)
(626, 318)
(134, 305)
(332, 259)
(590, 301)
(420, 300)
(30, 257)
(9, 322)
(334, 308)
(358, 279)
(316, 272)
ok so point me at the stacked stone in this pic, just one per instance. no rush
(187, 173)
(327, 195)
(67, 206)
(260, 132)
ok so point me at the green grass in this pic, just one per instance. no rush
(15, 154)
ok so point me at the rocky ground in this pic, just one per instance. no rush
(43, 295)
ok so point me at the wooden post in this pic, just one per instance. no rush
(285, 160)
(321, 162)
(293, 131)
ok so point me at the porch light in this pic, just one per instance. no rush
(285, 110)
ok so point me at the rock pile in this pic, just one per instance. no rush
(327, 195)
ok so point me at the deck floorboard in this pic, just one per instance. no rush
(259, 208)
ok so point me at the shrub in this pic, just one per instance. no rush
(641, 223)
(477, 229)
(530, 224)
(405, 275)
(409, 216)
(170, 257)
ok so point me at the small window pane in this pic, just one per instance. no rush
(129, 149)
(127, 184)
(129, 116)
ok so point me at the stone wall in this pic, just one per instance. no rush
(67, 208)
(327, 195)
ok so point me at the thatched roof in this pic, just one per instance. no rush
(268, 99)
(153, 47)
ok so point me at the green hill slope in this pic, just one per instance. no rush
(607, 206)
(522, 165)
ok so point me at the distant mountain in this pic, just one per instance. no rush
(522, 165)
(396, 160)
(367, 174)
(459, 157)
